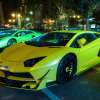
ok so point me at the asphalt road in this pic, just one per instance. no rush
(83, 87)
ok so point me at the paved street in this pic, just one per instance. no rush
(83, 87)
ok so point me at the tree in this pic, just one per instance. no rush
(96, 13)
(55, 8)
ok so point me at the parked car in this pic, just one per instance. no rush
(95, 29)
(52, 57)
(73, 28)
(9, 37)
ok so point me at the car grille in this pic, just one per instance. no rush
(23, 75)
(12, 83)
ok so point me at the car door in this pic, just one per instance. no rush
(88, 52)
(19, 36)
(23, 36)
(27, 36)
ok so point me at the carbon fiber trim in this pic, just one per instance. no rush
(23, 75)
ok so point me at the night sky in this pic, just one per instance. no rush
(8, 7)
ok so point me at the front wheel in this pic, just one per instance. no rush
(66, 68)
(11, 42)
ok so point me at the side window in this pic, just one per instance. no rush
(28, 32)
(83, 40)
(20, 34)
(48, 37)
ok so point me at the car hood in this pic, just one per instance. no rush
(3, 36)
(21, 52)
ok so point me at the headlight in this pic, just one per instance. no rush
(31, 62)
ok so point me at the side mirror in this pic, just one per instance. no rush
(81, 42)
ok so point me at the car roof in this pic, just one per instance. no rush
(75, 31)
(24, 30)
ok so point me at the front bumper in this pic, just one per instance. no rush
(18, 80)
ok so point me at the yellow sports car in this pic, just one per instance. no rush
(54, 56)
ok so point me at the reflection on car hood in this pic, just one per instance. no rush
(21, 52)
(3, 36)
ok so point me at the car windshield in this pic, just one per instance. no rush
(51, 39)
(6, 33)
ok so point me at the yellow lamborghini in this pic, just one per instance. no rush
(53, 57)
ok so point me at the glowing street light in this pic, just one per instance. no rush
(13, 20)
(18, 15)
(13, 15)
(31, 12)
(19, 19)
(27, 19)
(10, 20)
(74, 16)
(78, 16)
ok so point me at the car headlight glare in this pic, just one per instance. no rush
(31, 62)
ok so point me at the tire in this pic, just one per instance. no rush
(66, 68)
(11, 42)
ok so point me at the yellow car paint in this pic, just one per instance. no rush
(45, 70)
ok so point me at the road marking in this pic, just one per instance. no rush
(49, 94)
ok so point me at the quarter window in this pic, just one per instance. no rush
(88, 37)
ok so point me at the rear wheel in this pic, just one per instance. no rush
(66, 69)
(11, 42)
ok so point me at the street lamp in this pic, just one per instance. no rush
(78, 16)
(13, 20)
(28, 19)
(18, 15)
(13, 15)
(10, 20)
(31, 12)
(74, 16)
(19, 19)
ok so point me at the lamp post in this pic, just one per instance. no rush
(13, 15)
(19, 20)
(10, 20)
(16, 17)
(31, 16)
(31, 12)
(27, 19)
